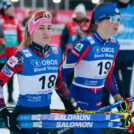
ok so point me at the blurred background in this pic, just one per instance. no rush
(62, 11)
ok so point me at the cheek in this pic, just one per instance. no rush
(50, 32)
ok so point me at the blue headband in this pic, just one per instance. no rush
(105, 11)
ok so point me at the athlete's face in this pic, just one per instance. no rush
(109, 28)
(42, 34)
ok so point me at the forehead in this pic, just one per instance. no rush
(44, 25)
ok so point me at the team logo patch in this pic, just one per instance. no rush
(91, 40)
(12, 61)
(112, 40)
(55, 50)
(79, 46)
(35, 63)
(27, 53)
(117, 10)
(7, 72)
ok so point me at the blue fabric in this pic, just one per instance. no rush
(33, 67)
(86, 98)
(105, 11)
(125, 34)
(25, 110)
(87, 131)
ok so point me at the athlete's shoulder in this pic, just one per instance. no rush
(88, 40)
(26, 52)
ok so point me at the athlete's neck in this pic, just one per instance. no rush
(39, 50)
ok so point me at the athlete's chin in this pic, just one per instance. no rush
(114, 33)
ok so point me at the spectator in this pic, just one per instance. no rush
(13, 37)
(72, 33)
(27, 16)
(2, 43)
(125, 58)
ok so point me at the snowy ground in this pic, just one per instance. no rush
(56, 103)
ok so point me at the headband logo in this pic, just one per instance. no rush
(117, 10)
(45, 16)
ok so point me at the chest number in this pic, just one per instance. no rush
(104, 67)
(51, 80)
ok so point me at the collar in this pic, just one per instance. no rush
(102, 41)
(39, 50)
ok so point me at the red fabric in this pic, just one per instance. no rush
(71, 26)
(10, 51)
(111, 70)
(10, 24)
(2, 41)
(61, 86)
(128, 104)
(131, 128)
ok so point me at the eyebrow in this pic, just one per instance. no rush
(44, 26)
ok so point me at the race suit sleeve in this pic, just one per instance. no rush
(63, 92)
(74, 57)
(14, 65)
(111, 83)
(61, 86)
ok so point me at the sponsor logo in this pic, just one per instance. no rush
(98, 104)
(27, 53)
(91, 40)
(74, 124)
(49, 62)
(35, 63)
(7, 72)
(110, 124)
(97, 49)
(75, 53)
(12, 61)
(112, 40)
(72, 117)
(55, 50)
(117, 10)
(79, 46)
(107, 117)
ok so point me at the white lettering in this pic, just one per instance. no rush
(74, 124)
(107, 117)
(72, 117)
(49, 62)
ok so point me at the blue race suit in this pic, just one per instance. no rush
(92, 60)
